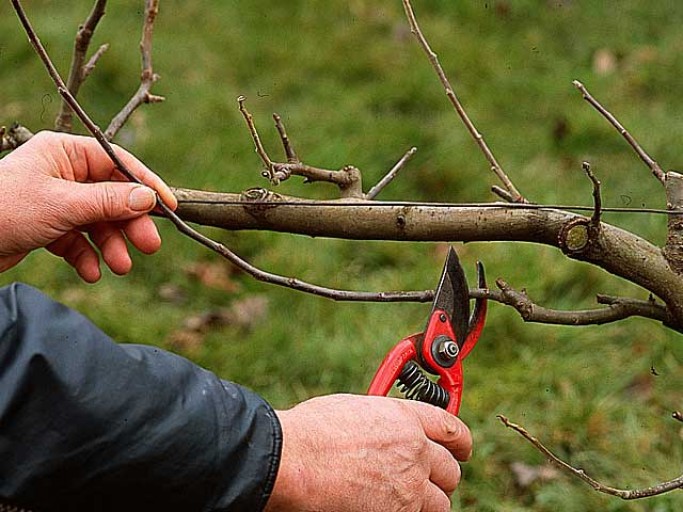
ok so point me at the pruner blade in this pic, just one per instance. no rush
(453, 297)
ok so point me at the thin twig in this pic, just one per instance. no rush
(258, 145)
(510, 188)
(625, 494)
(147, 78)
(389, 177)
(597, 197)
(89, 66)
(291, 155)
(649, 161)
(64, 121)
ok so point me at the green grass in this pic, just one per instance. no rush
(353, 87)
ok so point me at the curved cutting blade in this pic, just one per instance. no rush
(452, 296)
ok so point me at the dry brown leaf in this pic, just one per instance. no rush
(526, 475)
(604, 62)
(213, 274)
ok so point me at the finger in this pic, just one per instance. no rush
(445, 470)
(143, 234)
(112, 245)
(78, 253)
(444, 428)
(89, 162)
(435, 500)
(89, 203)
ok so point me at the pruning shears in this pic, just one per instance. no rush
(449, 337)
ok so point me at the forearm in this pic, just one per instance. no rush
(88, 424)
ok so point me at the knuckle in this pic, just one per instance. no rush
(109, 201)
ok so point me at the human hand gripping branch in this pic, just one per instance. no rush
(64, 193)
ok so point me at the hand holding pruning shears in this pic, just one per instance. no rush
(449, 337)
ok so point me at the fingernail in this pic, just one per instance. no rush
(141, 199)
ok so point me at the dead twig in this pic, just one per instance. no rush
(510, 193)
(649, 161)
(78, 72)
(147, 78)
(625, 494)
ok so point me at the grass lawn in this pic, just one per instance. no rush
(354, 88)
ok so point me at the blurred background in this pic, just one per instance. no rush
(353, 87)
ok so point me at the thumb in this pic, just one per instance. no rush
(445, 429)
(88, 203)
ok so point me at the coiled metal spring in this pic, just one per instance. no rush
(417, 386)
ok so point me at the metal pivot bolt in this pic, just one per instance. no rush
(445, 351)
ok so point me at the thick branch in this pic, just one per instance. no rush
(617, 251)
(625, 494)
(673, 249)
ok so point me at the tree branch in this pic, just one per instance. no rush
(89, 66)
(393, 172)
(79, 71)
(617, 251)
(597, 197)
(618, 309)
(630, 494)
(348, 179)
(510, 193)
(649, 161)
(147, 78)
(291, 155)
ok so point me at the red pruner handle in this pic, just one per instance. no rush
(392, 365)
(451, 380)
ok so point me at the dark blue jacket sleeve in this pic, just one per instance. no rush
(88, 424)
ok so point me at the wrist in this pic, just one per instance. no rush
(290, 483)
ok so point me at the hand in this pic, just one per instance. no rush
(346, 453)
(57, 187)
